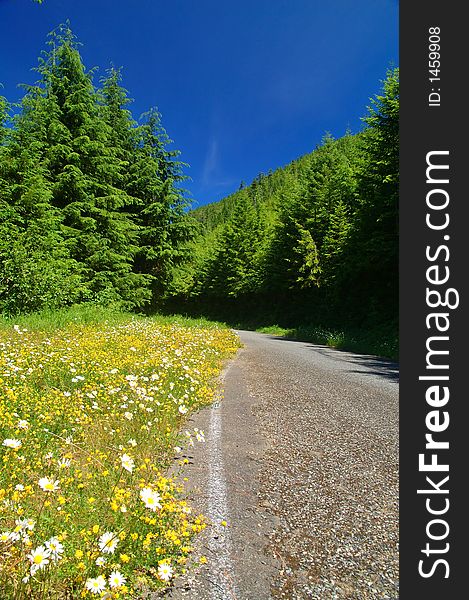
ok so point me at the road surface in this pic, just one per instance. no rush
(301, 461)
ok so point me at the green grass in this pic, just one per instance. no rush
(276, 330)
(49, 320)
(185, 321)
(87, 314)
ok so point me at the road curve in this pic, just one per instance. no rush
(301, 460)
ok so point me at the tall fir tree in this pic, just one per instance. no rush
(164, 228)
(122, 128)
(372, 249)
(86, 172)
(233, 269)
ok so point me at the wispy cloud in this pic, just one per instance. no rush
(212, 175)
(211, 162)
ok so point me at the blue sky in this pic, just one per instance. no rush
(244, 86)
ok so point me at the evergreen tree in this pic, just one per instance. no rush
(85, 172)
(164, 228)
(334, 243)
(233, 268)
(3, 118)
(4, 162)
(122, 128)
(86, 192)
(372, 251)
(292, 258)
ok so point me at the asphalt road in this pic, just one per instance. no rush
(301, 461)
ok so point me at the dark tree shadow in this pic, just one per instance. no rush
(371, 364)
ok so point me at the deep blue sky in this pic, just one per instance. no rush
(244, 86)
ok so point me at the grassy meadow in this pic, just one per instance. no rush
(92, 410)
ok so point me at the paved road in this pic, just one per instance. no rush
(301, 460)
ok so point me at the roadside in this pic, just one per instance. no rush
(223, 483)
(301, 461)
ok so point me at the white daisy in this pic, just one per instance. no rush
(12, 443)
(165, 572)
(116, 579)
(25, 523)
(39, 558)
(127, 463)
(96, 585)
(55, 548)
(108, 542)
(5, 536)
(150, 498)
(48, 485)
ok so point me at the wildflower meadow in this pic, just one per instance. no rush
(91, 418)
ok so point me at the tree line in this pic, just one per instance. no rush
(314, 241)
(91, 205)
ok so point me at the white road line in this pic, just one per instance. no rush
(222, 582)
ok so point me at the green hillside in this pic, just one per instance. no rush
(313, 243)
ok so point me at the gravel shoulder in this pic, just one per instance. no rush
(301, 460)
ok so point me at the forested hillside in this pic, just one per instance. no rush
(315, 242)
(90, 203)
